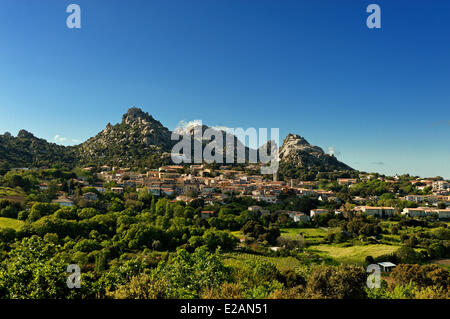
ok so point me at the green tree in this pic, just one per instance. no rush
(343, 282)
(31, 270)
(188, 274)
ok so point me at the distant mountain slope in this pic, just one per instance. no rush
(228, 142)
(297, 150)
(299, 159)
(141, 141)
(137, 139)
(26, 150)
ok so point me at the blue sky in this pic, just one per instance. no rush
(380, 98)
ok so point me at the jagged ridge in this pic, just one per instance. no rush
(138, 140)
(296, 150)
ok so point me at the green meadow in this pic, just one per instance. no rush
(311, 235)
(352, 254)
(10, 223)
(282, 263)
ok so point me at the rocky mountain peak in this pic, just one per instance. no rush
(136, 115)
(25, 134)
(298, 151)
(139, 139)
(138, 136)
(294, 143)
(295, 139)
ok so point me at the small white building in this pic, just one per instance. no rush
(388, 211)
(370, 211)
(168, 191)
(300, 217)
(154, 190)
(443, 213)
(100, 189)
(63, 201)
(90, 196)
(414, 198)
(413, 212)
(259, 209)
(440, 185)
(271, 199)
(386, 266)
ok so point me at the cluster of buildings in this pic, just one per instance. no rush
(382, 212)
(430, 199)
(411, 212)
(427, 211)
(199, 182)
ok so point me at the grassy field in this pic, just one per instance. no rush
(353, 254)
(10, 223)
(12, 194)
(293, 232)
(311, 235)
(391, 239)
(8, 191)
(388, 224)
(282, 263)
(237, 234)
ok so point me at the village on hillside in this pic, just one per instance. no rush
(196, 182)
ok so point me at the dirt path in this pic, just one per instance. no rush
(441, 262)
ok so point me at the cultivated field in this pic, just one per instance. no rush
(282, 263)
(353, 254)
(311, 235)
(13, 194)
(10, 223)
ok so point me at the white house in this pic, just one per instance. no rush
(300, 217)
(272, 199)
(443, 213)
(376, 211)
(63, 201)
(413, 212)
(90, 196)
(388, 211)
(386, 266)
(414, 198)
(100, 189)
(259, 209)
(440, 185)
(168, 191)
(370, 211)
